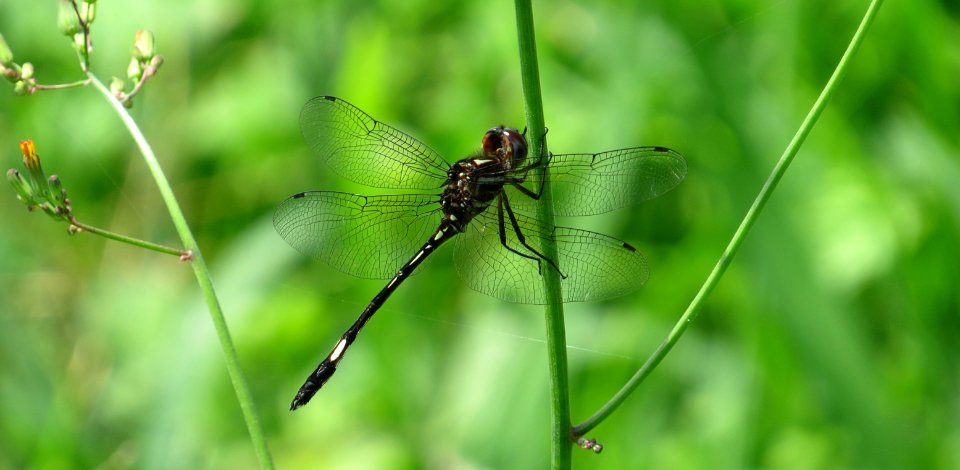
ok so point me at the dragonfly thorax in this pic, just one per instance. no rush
(474, 182)
(467, 191)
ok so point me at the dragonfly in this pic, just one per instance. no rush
(486, 202)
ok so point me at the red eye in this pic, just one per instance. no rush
(517, 144)
(493, 141)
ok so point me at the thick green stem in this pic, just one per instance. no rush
(727, 257)
(556, 336)
(240, 386)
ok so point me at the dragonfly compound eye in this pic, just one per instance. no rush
(516, 143)
(493, 141)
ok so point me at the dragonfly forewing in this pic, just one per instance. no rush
(367, 151)
(590, 184)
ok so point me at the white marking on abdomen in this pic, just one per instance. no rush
(338, 350)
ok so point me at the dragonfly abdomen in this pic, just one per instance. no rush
(328, 366)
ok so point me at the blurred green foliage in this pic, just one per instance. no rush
(831, 342)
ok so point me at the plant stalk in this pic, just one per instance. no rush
(561, 442)
(128, 240)
(62, 86)
(751, 217)
(240, 386)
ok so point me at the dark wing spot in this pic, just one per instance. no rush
(629, 246)
(661, 149)
(299, 195)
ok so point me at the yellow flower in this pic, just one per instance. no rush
(30, 158)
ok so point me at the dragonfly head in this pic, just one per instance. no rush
(505, 142)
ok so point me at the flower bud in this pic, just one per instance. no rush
(88, 10)
(26, 71)
(12, 73)
(155, 63)
(29, 151)
(143, 46)
(58, 194)
(6, 55)
(21, 88)
(67, 19)
(116, 87)
(32, 161)
(135, 69)
(80, 43)
(21, 186)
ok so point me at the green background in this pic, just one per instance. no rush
(830, 343)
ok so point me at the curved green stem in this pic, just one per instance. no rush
(240, 386)
(129, 240)
(556, 335)
(725, 259)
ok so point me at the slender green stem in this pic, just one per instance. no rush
(84, 52)
(727, 257)
(556, 335)
(240, 385)
(128, 240)
(61, 86)
(137, 87)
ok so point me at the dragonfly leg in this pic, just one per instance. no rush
(502, 230)
(535, 195)
(543, 138)
(503, 205)
(517, 182)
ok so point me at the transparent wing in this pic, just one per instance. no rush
(596, 266)
(362, 149)
(364, 236)
(588, 184)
